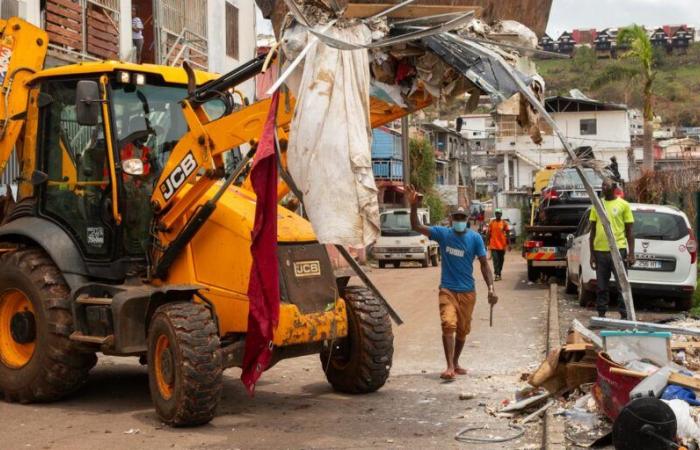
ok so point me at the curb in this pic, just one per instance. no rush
(553, 437)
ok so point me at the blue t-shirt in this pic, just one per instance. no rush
(458, 252)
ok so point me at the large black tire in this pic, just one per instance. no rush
(361, 362)
(586, 298)
(425, 262)
(185, 377)
(533, 273)
(56, 367)
(396, 264)
(683, 303)
(382, 264)
(570, 287)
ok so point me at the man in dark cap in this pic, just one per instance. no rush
(459, 246)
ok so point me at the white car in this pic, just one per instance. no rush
(665, 252)
(398, 242)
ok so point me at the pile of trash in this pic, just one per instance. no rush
(633, 384)
(350, 72)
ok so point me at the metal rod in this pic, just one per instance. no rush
(365, 279)
(620, 271)
(641, 326)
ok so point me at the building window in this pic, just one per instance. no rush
(588, 127)
(231, 31)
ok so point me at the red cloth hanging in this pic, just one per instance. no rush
(263, 288)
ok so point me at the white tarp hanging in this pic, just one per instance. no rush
(329, 153)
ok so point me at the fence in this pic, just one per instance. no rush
(391, 170)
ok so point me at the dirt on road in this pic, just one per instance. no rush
(294, 407)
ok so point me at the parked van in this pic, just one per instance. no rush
(398, 242)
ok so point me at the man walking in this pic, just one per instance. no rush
(619, 214)
(137, 33)
(497, 237)
(458, 247)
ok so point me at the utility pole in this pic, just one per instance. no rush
(405, 154)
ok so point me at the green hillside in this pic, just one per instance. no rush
(677, 85)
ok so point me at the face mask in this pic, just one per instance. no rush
(459, 227)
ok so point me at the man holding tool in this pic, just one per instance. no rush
(458, 247)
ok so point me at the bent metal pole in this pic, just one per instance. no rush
(622, 279)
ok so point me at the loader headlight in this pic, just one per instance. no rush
(123, 77)
(415, 250)
(139, 79)
(379, 250)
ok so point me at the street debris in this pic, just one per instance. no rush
(341, 65)
(625, 380)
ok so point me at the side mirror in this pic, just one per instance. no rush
(133, 167)
(87, 103)
(569, 240)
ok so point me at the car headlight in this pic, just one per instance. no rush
(416, 250)
(379, 249)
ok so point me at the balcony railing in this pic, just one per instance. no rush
(388, 170)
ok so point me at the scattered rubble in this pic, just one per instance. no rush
(599, 380)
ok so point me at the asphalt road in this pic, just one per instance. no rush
(294, 407)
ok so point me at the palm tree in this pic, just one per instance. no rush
(642, 52)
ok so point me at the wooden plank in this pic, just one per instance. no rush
(101, 48)
(75, 6)
(675, 378)
(407, 12)
(62, 21)
(578, 347)
(67, 36)
(99, 34)
(680, 345)
(65, 12)
(101, 26)
(101, 17)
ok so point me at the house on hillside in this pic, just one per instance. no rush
(585, 122)
(584, 37)
(547, 44)
(566, 43)
(681, 38)
(659, 38)
(605, 43)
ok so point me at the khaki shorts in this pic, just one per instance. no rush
(456, 310)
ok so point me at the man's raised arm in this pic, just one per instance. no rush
(414, 199)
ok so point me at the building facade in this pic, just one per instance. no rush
(604, 127)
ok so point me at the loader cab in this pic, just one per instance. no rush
(103, 140)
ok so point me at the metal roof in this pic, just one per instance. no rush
(570, 104)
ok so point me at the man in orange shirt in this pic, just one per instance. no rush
(497, 237)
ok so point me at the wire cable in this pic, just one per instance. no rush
(519, 431)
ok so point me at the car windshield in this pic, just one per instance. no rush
(659, 226)
(569, 179)
(396, 224)
(153, 112)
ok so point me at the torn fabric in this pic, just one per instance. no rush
(329, 153)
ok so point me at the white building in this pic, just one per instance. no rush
(602, 126)
(636, 120)
(213, 35)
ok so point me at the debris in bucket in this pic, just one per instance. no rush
(350, 65)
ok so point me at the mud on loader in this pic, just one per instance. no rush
(124, 239)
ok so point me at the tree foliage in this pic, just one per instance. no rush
(422, 177)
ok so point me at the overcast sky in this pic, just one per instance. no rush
(570, 14)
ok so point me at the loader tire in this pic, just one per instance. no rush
(184, 372)
(38, 362)
(360, 363)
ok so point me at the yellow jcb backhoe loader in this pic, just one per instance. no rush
(125, 240)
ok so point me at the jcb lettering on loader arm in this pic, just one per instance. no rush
(177, 177)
